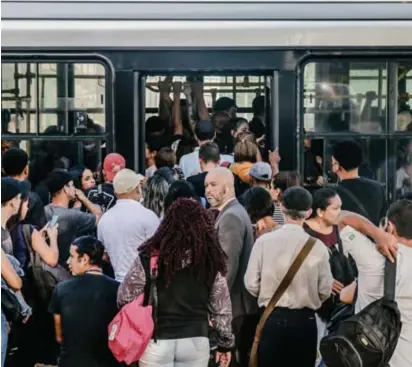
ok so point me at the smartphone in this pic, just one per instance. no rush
(53, 222)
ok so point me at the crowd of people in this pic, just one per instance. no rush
(225, 225)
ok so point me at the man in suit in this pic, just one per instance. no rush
(236, 238)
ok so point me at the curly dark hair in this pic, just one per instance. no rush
(187, 229)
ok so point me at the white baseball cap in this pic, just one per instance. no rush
(126, 180)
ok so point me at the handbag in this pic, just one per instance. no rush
(283, 286)
(133, 327)
(10, 306)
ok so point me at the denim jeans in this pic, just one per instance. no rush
(4, 338)
(289, 338)
(188, 352)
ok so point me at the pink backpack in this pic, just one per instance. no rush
(132, 328)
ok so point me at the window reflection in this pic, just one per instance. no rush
(318, 168)
(345, 96)
(52, 98)
(403, 176)
(404, 115)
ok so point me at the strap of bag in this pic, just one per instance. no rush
(283, 286)
(153, 290)
(389, 281)
(101, 196)
(355, 200)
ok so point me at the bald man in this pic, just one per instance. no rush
(236, 238)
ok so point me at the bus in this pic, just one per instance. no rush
(87, 73)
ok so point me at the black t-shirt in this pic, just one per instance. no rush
(86, 305)
(102, 195)
(364, 197)
(198, 182)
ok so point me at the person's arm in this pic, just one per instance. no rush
(85, 222)
(274, 159)
(58, 330)
(49, 254)
(92, 208)
(253, 273)
(385, 242)
(200, 101)
(165, 102)
(9, 274)
(347, 294)
(187, 91)
(55, 310)
(177, 111)
(231, 240)
(133, 284)
(220, 312)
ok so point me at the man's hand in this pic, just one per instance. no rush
(223, 359)
(274, 157)
(387, 245)
(337, 286)
(80, 196)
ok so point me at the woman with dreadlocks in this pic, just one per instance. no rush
(191, 289)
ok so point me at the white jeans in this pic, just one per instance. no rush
(189, 352)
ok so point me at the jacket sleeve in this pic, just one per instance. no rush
(133, 284)
(231, 239)
(220, 311)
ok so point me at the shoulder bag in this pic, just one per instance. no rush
(45, 277)
(283, 286)
(135, 325)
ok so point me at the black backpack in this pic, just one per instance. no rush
(45, 277)
(368, 338)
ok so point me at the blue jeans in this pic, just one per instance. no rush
(4, 338)
(188, 352)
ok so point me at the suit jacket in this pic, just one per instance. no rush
(236, 238)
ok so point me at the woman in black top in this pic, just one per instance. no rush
(192, 291)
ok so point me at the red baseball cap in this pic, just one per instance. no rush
(112, 164)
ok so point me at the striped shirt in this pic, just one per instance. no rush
(278, 216)
(122, 229)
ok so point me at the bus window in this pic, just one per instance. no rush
(344, 96)
(227, 100)
(404, 112)
(403, 164)
(53, 98)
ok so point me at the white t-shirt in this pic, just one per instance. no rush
(371, 267)
(190, 165)
(122, 229)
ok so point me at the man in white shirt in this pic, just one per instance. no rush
(204, 132)
(123, 228)
(289, 337)
(371, 268)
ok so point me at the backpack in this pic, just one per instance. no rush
(133, 327)
(45, 277)
(368, 338)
